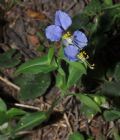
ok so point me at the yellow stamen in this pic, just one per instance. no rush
(67, 35)
(83, 57)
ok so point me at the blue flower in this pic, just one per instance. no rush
(71, 52)
(79, 39)
(74, 43)
(62, 22)
(53, 32)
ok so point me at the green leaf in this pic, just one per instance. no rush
(50, 54)
(61, 78)
(61, 53)
(93, 8)
(3, 106)
(100, 100)
(111, 115)
(88, 102)
(77, 65)
(3, 117)
(80, 21)
(83, 21)
(9, 59)
(75, 74)
(31, 120)
(88, 112)
(108, 2)
(38, 65)
(33, 86)
(111, 89)
(92, 27)
(13, 112)
(76, 136)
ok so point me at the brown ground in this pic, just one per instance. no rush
(19, 31)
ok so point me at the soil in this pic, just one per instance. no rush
(18, 28)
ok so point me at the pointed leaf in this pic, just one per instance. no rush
(75, 74)
(88, 101)
(9, 59)
(50, 54)
(111, 115)
(13, 112)
(61, 79)
(77, 65)
(37, 65)
(3, 117)
(33, 86)
(87, 111)
(3, 106)
(31, 120)
(111, 88)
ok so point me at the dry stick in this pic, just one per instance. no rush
(34, 107)
(20, 133)
(23, 133)
(68, 123)
(6, 81)
(27, 106)
(56, 133)
(72, 5)
(9, 83)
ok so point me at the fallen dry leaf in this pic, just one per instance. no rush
(34, 40)
(35, 15)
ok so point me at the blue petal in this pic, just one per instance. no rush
(53, 33)
(71, 52)
(62, 19)
(79, 39)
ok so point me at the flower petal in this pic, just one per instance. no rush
(62, 19)
(71, 52)
(53, 33)
(79, 39)
(67, 41)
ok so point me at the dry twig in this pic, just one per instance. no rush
(9, 83)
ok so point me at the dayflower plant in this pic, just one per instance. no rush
(73, 43)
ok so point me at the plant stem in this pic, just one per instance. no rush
(111, 7)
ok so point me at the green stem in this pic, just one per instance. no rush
(69, 94)
(111, 7)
